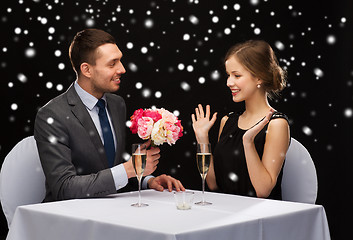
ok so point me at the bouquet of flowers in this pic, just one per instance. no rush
(159, 125)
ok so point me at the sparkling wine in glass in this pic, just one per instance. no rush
(203, 158)
(139, 156)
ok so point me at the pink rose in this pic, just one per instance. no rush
(145, 126)
(171, 132)
(178, 123)
(167, 116)
(134, 120)
(152, 114)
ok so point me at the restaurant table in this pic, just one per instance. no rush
(113, 217)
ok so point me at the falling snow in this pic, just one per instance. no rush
(173, 55)
(30, 52)
(21, 77)
(307, 130)
(233, 177)
(348, 113)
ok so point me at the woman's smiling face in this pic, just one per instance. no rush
(240, 81)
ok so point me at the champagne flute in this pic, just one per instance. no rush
(139, 156)
(203, 158)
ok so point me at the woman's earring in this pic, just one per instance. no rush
(258, 85)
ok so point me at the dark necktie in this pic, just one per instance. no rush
(107, 132)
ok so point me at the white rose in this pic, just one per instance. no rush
(158, 133)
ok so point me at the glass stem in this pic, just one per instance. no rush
(203, 189)
(139, 180)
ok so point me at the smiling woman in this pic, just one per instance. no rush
(252, 145)
(257, 58)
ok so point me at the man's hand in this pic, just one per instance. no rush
(151, 162)
(164, 181)
(152, 159)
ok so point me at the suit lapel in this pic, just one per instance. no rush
(81, 113)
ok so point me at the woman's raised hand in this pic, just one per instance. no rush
(202, 123)
(250, 134)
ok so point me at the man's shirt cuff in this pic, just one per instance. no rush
(145, 181)
(119, 176)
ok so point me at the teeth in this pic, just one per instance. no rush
(234, 91)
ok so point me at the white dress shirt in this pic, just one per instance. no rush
(118, 171)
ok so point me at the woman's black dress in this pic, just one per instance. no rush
(229, 159)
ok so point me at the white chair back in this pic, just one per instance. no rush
(22, 180)
(299, 181)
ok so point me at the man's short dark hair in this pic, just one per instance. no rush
(83, 46)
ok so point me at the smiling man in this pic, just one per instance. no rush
(80, 134)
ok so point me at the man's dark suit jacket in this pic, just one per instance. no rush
(70, 148)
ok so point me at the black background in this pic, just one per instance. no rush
(317, 40)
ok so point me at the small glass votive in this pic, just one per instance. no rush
(184, 199)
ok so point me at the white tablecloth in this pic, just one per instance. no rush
(229, 217)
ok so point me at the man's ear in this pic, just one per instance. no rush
(86, 69)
